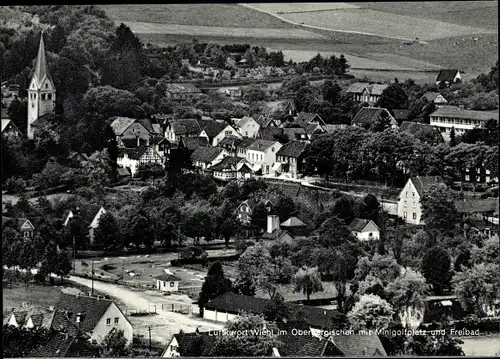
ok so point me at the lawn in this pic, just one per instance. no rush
(224, 15)
(36, 295)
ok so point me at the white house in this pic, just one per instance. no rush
(448, 77)
(364, 229)
(167, 283)
(132, 158)
(436, 98)
(409, 198)
(262, 155)
(246, 126)
(205, 157)
(215, 131)
(90, 216)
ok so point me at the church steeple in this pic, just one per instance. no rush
(41, 93)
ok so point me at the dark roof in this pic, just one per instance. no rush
(228, 163)
(268, 133)
(261, 145)
(416, 127)
(294, 133)
(292, 149)
(307, 117)
(368, 115)
(168, 278)
(431, 96)
(133, 153)
(293, 222)
(400, 115)
(120, 124)
(424, 183)
(187, 126)
(252, 202)
(62, 321)
(132, 142)
(212, 128)
(358, 224)
(87, 212)
(18, 223)
(300, 345)
(234, 303)
(123, 171)
(276, 234)
(147, 124)
(93, 308)
(236, 141)
(457, 112)
(190, 343)
(311, 128)
(357, 345)
(206, 154)
(57, 346)
(264, 121)
(192, 143)
(182, 88)
(477, 205)
(43, 120)
(446, 75)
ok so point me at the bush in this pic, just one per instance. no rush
(15, 185)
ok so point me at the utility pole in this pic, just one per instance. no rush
(74, 254)
(179, 240)
(92, 278)
(149, 330)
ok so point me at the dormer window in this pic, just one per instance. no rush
(46, 86)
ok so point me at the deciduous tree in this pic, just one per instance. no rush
(370, 312)
(308, 281)
(436, 267)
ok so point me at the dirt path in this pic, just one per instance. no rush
(163, 325)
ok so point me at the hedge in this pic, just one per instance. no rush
(180, 262)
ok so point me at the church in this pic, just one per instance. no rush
(41, 93)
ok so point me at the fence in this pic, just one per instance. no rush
(180, 308)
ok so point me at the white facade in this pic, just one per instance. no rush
(95, 223)
(206, 165)
(409, 204)
(167, 286)
(41, 101)
(172, 349)
(127, 162)
(112, 318)
(227, 131)
(369, 233)
(250, 128)
(217, 316)
(264, 159)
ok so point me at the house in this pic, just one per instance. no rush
(291, 158)
(215, 131)
(93, 316)
(29, 317)
(23, 225)
(189, 344)
(181, 92)
(175, 129)
(435, 97)
(133, 158)
(401, 115)
(447, 117)
(367, 116)
(231, 168)
(132, 132)
(9, 130)
(247, 126)
(448, 77)
(205, 157)
(265, 121)
(409, 198)
(271, 133)
(305, 118)
(192, 143)
(234, 93)
(296, 133)
(90, 216)
(229, 305)
(313, 129)
(167, 283)
(76, 159)
(274, 232)
(290, 108)
(262, 155)
(357, 345)
(482, 213)
(364, 229)
(366, 93)
(245, 209)
(41, 93)
(61, 345)
(294, 226)
(236, 146)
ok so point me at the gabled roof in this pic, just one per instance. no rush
(120, 124)
(277, 234)
(19, 223)
(6, 123)
(369, 115)
(264, 121)
(401, 115)
(431, 96)
(477, 205)
(293, 222)
(41, 68)
(212, 128)
(182, 88)
(447, 75)
(456, 112)
(294, 133)
(305, 345)
(243, 121)
(43, 120)
(373, 89)
(268, 133)
(357, 345)
(311, 128)
(146, 122)
(261, 145)
(252, 202)
(185, 126)
(168, 278)
(307, 117)
(234, 303)
(292, 149)
(236, 141)
(57, 346)
(377, 89)
(87, 212)
(93, 308)
(424, 183)
(206, 154)
(191, 344)
(357, 87)
(192, 143)
(358, 225)
(133, 153)
(228, 163)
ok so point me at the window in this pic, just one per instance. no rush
(405, 202)
(467, 177)
(414, 215)
(404, 215)
(413, 194)
(116, 320)
(272, 149)
(370, 234)
(43, 96)
(46, 86)
(406, 193)
(172, 284)
(108, 321)
(49, 96)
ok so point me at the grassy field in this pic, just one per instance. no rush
(481, 346)
(224, 15)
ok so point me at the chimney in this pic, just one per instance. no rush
(273, 223)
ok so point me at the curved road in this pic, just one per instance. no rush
(163, 325)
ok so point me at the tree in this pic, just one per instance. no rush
(107, 234)
(49, 261)
(64, 264)
(439, 212)
(308, 281)
(432, 345)
(276, 310)
(259, 216)
(285, 208)
(344, 208)
(21, 342)
(436, 267)
(392, 98)
(139, 230)
(109, 101)
(229, 227)
(453, 139)
(370, 208)
(407, 294)
(115, 344)
(370, 312)
(215, 284)
(245, 338)
(477, 288)
(383, 267)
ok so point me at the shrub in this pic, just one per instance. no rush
(15, 185)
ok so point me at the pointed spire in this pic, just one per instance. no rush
(41, 70)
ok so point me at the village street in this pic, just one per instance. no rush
(163, 325)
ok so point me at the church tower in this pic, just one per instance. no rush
(41, 93)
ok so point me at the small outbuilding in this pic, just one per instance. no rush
(364, 229)
(167, 283)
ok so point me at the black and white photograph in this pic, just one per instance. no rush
(250, 179)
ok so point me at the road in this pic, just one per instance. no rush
(163, 325)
